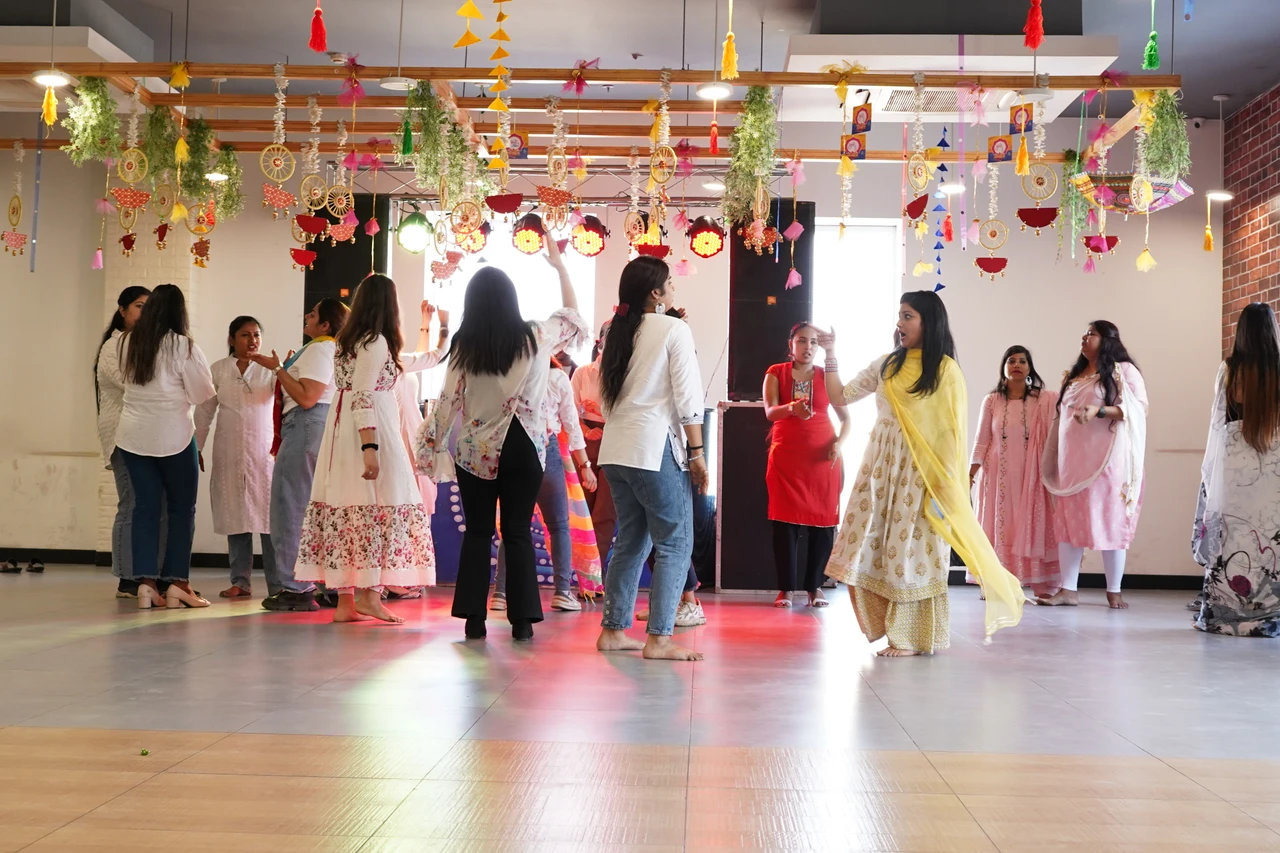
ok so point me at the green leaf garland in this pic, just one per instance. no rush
(92, 123)
(457, 153)
(195, 186)
(229, 193)
(753, 143)
(1075, 207)
(162, 135)
(1167, 147)
(426, 119)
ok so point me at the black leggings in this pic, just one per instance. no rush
(786, 547)
(519, 479)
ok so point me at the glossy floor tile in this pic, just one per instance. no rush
(231, 728)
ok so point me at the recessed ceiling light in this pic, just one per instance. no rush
(397, 84)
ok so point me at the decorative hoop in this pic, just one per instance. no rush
(277, 163)
(132, 166)
(314, 192)
(992, 234)
(339, 201)
(1040, 183)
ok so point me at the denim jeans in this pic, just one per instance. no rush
(160, 483)
(655, 510)
(240, 556)
(553, 500)
(295, 468)
(122, 525)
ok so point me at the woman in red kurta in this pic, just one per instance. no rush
(805, 474)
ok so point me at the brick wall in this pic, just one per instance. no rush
(1251, 227)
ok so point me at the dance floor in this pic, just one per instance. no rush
(234, 729)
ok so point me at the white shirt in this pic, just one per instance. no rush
(314, 362)
(240, 474)
(586, 391)
(110, 394)
(560, 410)
(156, 418)
(661, 394)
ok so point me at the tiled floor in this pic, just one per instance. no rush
(1081, 730)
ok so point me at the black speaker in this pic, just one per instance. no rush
(339, 268)
(761, 309)
(746, 538)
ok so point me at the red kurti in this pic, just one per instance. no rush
(804, 487)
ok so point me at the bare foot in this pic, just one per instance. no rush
(369, 602)
(664, 648)
(617, 641)
(346, 611)
(1116, 602)
(1061, 598)
(891, 652)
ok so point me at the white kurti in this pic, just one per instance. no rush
(358, 533)
(240, 479)
(409, 398)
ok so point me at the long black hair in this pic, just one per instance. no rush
(1111, 352)
(127, 297)
(236, 325)
(164, 313)
(493, 333)
(1034, 383)
(1253, 377)
(639, 278)
(374, 311)
(935, 342)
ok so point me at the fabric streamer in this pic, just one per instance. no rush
(49, 109)
(319, 41)
(1208, 225)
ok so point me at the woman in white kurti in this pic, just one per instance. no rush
(240, 483)
(365, 527)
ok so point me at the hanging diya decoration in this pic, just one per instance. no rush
(341, 232)
(759, 236)
(15, 243)
(201, 222)
(993, 233)
(129, 201)
(1039, 184)
(504, 203)
(162, 205)
(276, 161)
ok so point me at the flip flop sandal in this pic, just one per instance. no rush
(403, 596)
(236, 592)
(35, 567)
(10, 567)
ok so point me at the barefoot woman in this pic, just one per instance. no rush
(911, 497)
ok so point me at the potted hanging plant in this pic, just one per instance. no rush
(1168, 150)
(162, 136)
(92, 123)
(752, 158)
(1075, 207)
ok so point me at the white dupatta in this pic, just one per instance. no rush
(1207, 537)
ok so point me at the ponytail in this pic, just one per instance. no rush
(639, 278)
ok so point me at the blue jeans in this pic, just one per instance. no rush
(655, 511)
(553, 500)
(160, 483)
(295, 468)
(122, 525)
(240, 556)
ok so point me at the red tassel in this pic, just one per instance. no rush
(319, 38)
(948, 233)
(1035, 27)
(715, 138)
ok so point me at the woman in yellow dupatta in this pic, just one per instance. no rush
(911, 497)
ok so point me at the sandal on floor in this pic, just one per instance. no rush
(818, 601)
(10, 567)
(236, 591)
(782, 602)
(394, 594)
(36, 566)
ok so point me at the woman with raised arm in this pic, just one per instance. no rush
(488, 432)
(911, 497)
(1094, 461)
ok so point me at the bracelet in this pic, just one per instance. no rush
(444, 330)
(692, 447)
(1102, 412)
(370, 446)
(699, 456)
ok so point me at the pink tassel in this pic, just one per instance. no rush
(980, 171)
(1093, 164)
(972, 234)
(1089, 265)
(97, 260)
(681, 221)
(351, 162)
(1091, 218)
(684, 167)
(352, 93)
(372, 227)
(683, 268)
(104, 206)
(576, 218)
(1099, 131)
(793, 278)
(796, 169)
(757, 229)
(793, 232)
(1090, 95)
(350, 218)
(1105, 195)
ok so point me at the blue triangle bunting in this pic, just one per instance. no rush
(938, 259)
(943, 142)
(938, 286)
(941, 208)
(942, 167)
(938, 245)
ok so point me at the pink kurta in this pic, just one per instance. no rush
(1090, 467)
(1015, 510)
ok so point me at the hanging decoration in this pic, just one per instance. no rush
(754, 141)
(158, 145)
(426, 117)
(15, 242)
(1039, 184)
(319, 41)
(795, 229)
(92, 123)
(729, 60)
(662, 160)
(313, 190)
(501, 162)
(469, 13)
(1034, 28)
(352, 90)
(276, 161)
(1020, 121)
(200, 221)
(228, 194)
(180, 79)
(992, 234)
(1151, 54)
(192, 184)
(577, 82)
(1168, 148)
(918, 171)
(557, 163)
(1208, 224)
(503, 83)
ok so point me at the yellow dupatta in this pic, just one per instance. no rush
(936, 434)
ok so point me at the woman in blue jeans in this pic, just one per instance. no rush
(652, 395)
(165, 376)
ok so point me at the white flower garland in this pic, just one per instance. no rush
(504, 119)
(311, 157)
(633, 165)
(282, 82)
(917, 127)
(342, 146)
(19, 154)
(1038, 134)
(664, 115)
(135, 112)
(993, 186)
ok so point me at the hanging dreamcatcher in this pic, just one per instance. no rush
(313, 190)
(276, 161)
(200, 222)
(633, 225)
(15, 242)
(993, 233)
(663, 161)
(1040, 182)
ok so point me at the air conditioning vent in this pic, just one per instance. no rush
(935, 101)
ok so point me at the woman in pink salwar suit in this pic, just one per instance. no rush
(1093, 461)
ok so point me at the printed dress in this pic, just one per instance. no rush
(894, 562)
(1237, 530)
(358, 533)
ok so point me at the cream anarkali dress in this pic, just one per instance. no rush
(894, 562)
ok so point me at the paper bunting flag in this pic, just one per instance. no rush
(468, 11)
(793, 279)
(793, 232)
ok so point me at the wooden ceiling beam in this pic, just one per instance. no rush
(622, 131)
(396, 102)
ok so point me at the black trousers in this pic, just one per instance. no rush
(786, 554)
(517, 484)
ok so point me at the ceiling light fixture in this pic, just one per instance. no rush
(398, 83)
(414, 232)
(716, 90)
(712, 185)
(51, 77)
(951, 188)
(529, 235)
(588, 236)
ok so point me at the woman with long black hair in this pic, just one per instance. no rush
(165, 376)
(109, 389)
(652, 454)
(365, 526)
(911, 497)
(1094, 461)
(1238, 516)
(488, 432)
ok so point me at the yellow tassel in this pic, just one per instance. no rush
(651, 186)
(580, 173)
(649, 107)
(1023, 164)
(846, 167)
(729, 62)
(178, 77)
(468, 38)
(922, 228)
(1145, 262)
(921, 268)
(1208, 238)
(49, 110)
(179, 212)
(498, 107)
(181, 152)
(653, 132)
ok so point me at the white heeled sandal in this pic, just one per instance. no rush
(179, 597)
(149, 597)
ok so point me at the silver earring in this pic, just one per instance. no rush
(660, 308)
